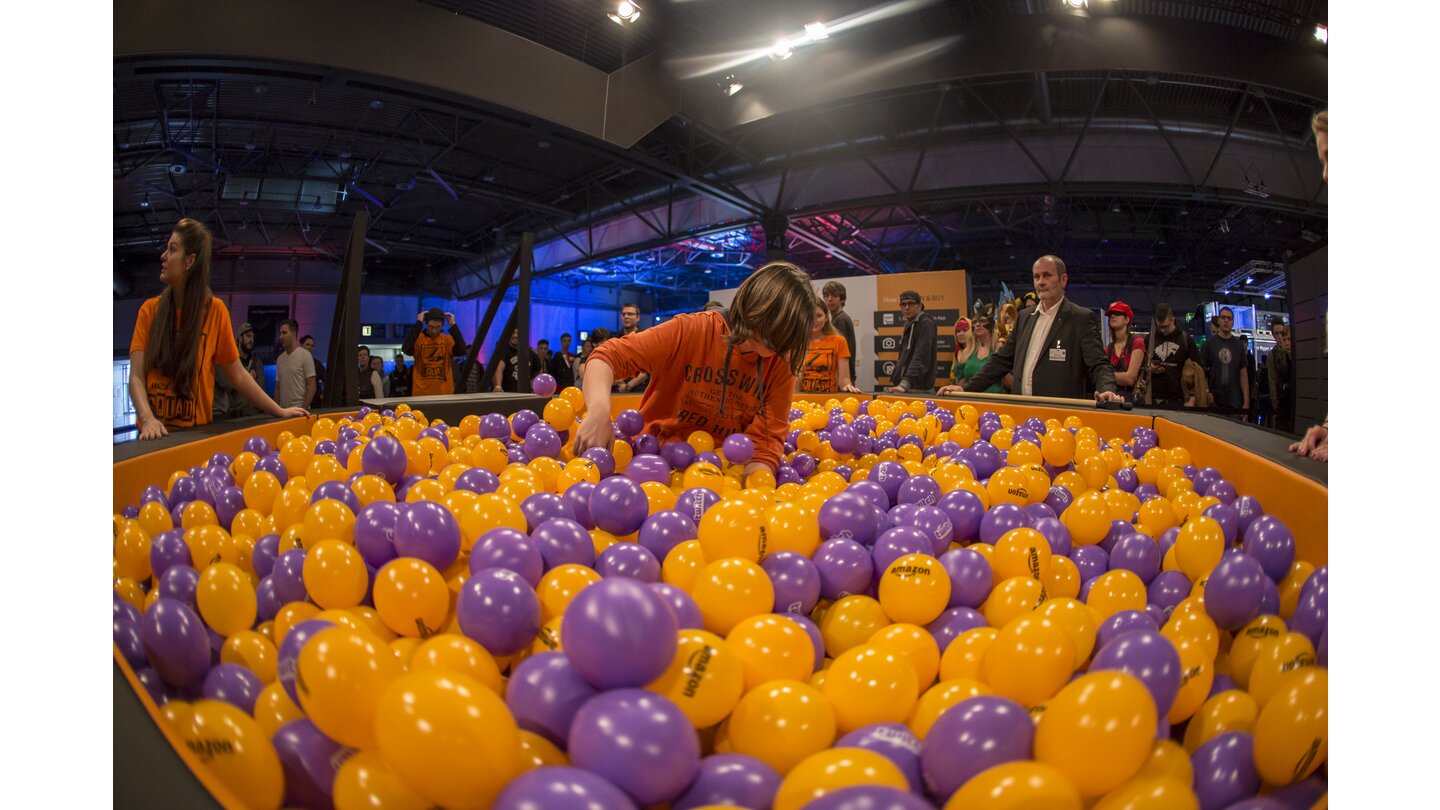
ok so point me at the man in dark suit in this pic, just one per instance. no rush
(1055, 350)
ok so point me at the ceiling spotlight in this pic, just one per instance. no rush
(145, 203)
(1322, 34)
(1076, 3)
(1267, 296)
(1249, 280)
(782, 50)
(730, 85)
(816, 31)
(625, 12)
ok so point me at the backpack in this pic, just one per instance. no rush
(1194, 383)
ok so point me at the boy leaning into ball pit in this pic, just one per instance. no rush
(720, 372)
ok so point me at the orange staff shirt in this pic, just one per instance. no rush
(217, 347)
(822, 363)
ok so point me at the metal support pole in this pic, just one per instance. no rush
(522, 309)
(342, 378)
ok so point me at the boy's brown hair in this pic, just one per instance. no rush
(776, 306)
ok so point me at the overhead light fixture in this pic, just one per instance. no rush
(1249, 280)
(145, 203)
(1076, 3)
(730, 85)
(1267, 296)
(1322, 34)
(782, 50)
(625, 12)
(816, 31)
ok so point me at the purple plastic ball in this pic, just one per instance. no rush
(952, 622)
(639, 741)
(919, 489)
(898, 542)
(895, 742)
(1122, 623)
(510, 549)
(233, 684)
(334, 491)
(544, 694)
(694, 502)
(845, 568)
(383, 456)
(499, 609)
(687, 613)
(735, 780)
(179, 583)
(561, 788)
(630, 560)
(1233, 591)
(973, 735)
(1002, 518)
(890, 475)
(375, 532)
(543, 385)
(167, 549)
(1225, 771)
(618, 633)
(1150, 657)
(1168, 589)
(1057, 533)
(618, 505)
(477, 480)
(871, 491)
(543, 506)
(563, 541)
(630, 422)
(934, 522)
(309, 761)
(644, 468)
(428, 531)
(494, 426)
(1091, 560)
(666, 529)
(847, 515)
(966, 512)
(971, 577)
(542, 441)
(522, 420)
(578, 496)
(1137, 553)
(1272, 544)
(795, 579)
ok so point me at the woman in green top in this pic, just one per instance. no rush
(982, 344)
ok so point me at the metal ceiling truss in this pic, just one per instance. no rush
(933, 168)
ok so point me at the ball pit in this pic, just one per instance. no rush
(927, 605)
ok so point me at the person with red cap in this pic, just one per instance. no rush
(1126, 351)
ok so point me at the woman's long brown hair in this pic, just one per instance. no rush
(173, 352)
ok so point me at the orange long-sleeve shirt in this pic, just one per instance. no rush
(691, 382)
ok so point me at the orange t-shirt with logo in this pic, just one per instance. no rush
(431, 374)
(822, 362)
(217, 346)
(690, 381)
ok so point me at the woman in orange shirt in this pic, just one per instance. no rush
(827, 362)
(180, 336)
(720, 372)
